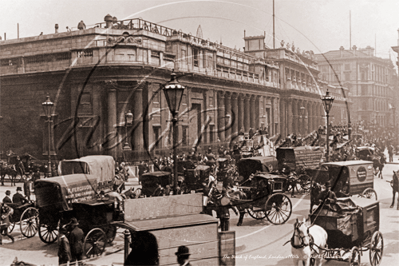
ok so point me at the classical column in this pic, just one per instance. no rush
(240, 113)
(295, 117)
(111, 127)
(221, 116)
(234, 103)
(272, 131)
(227, 120)
(253, 112)
(138, 119)
(247, 122)
(290, 116)
(257, 110)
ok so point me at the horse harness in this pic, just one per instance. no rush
(301, 239)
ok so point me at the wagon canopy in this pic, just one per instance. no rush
(101, 166)
(308, 157)
(60, 192)
(248, 166)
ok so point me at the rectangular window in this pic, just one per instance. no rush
(195, 56)
(184, 135)
(157, 133)
(347, 66)
(211, 133)
(184, 58)
(347, 76)
(204, 59)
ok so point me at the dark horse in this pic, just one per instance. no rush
(10, 172)
(395, 188)
(314, 195)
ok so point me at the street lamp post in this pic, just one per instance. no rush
(327, 104)
(174, 93)
(128, 122)
(48, 108)
(302, 121)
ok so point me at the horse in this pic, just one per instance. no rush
(10, 171)
(236, 196)
(395, 188)
(307, 243)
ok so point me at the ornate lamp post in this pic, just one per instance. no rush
(301, 120)
(174, 93)
(48, 109)
(327, 104)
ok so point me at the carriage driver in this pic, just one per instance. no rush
(328, 196)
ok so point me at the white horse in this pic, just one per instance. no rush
(304, 241)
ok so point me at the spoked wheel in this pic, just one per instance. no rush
(278, 208)
(257, 214)
(355, 257)
(110, 232)
(48, 233)
(94, 244)
(376, 248)
(29, 222)
(370, 194)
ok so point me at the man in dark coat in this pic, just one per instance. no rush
(20, 167)
(18, 198)
(76, 240)
(7, 198)
(64, 249)
(183, 254)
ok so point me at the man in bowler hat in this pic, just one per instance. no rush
(76, 240)
(183, 253)
(18, 198)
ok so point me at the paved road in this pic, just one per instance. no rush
(257, 242)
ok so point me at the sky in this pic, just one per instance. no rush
(318, 25)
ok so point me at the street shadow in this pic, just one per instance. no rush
(31, 244)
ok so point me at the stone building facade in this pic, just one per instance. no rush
(95, 76)
(370, 80)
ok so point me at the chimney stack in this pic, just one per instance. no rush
(56, 28)
(108, 21)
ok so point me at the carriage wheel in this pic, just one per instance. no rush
(376, 248)
(355, 257)
(110, 232)
(278, 208)
(258, 215)
(48, 233)
(94, 244)
(28, 222)
(369, 193)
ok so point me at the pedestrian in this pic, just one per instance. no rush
(7, 198)
(76, 240)
(81, 25)
(144, 249)
(64, 248)
(18, 198)
(20, 167)
(5, 213)
(183, 254)
(223, 211)
(27, 182)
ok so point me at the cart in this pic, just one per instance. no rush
(264, 198)
(149, 182)
(80, 192)
(193, 178)
(26, 216)
(352, 230)
(248, 166)
(347, 178)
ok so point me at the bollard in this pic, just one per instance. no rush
(127, 242)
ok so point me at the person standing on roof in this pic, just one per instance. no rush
(81, 25)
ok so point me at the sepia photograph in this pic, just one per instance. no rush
(199, 132)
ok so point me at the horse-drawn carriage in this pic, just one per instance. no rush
(347, 178)
(352, 229)
(80, 192)
(262, 196)
(26, 215)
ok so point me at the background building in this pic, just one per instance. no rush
(370, 80)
